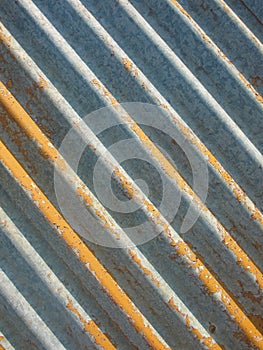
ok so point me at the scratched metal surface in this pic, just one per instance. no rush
(201, 60)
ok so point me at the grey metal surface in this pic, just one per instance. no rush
(202, 62)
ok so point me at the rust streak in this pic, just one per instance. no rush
(91, 327)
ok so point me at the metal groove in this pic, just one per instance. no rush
(218, 263)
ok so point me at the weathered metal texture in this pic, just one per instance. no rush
(202, 62)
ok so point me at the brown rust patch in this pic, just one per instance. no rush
(212, 328)
(256, 80)
(30, 93)
(253, 298)
(46, 130)
(258, 322)
(9, 83)
(250, 87)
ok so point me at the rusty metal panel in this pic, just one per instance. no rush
(131, 174)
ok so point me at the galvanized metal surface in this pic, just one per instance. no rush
(202, 62)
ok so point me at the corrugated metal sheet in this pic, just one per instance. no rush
(197, 288)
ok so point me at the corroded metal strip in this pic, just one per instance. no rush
(80, 249)
(237, 191)
(237, 247)
(4, 343)
(46, 149)
(227, 240)
(183, 250)
(131, 67)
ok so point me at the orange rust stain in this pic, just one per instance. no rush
(42, 83)
(144, 269)
(221, 54)
(127, 64)
(181, 9)
(208, 342)
(1, 347)
(130, 67)
(206, 38)
(87, 198)
(242, 258)
(105, 91)
(109, 95)
(113, 101)
(238, 193)
(256, 214)
(92, 328)
(96, 83)
(81, 249)
(5, 39)
(1, 337)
